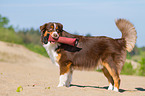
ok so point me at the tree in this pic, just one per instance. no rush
(30, 36)
(3, 21)
(88, 35)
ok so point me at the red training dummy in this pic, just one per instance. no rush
(64, 40)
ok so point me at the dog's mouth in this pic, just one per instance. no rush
(52, 42)
(54, 35)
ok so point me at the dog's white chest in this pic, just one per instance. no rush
(51, 50)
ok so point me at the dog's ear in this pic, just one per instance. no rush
(60, 26)
(42, 28)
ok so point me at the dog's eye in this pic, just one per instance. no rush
(43, 31)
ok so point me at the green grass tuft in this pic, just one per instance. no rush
(19, 89)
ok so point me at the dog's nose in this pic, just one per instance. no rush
(55, 35)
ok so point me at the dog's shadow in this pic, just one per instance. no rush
(140, 89)
(106, 88)
(81, 86)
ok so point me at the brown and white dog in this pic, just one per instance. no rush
(90, 53)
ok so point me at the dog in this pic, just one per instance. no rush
(91, 53)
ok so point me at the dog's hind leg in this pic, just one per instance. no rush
(65, 75)
(109, 77)
(68, 82)
(113, 72)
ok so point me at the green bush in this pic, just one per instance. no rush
(9, 35)
(142, 67)
(128, 69)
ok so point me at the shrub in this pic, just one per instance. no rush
(128, 69)
(9, 35)
(142, 67)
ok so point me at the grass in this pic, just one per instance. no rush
(37, 48)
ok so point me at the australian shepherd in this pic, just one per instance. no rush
(91, 53)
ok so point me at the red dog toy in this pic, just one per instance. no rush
(64, 40)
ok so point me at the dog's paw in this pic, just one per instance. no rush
(110, 87)
(60, 85)
(67, 85)
(116, 89)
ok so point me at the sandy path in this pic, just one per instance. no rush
(35, 73)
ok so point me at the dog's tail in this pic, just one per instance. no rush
(128, 33)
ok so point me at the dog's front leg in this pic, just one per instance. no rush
(62, 80)
(65, 75)
(65, 79)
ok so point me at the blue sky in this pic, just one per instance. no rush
(82, 16)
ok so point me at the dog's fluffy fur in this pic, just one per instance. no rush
(90, 53)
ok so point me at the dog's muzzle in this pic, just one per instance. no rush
(54, 35)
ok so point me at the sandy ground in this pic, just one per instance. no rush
(39, 77)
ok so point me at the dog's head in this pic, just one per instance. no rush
(53, 29)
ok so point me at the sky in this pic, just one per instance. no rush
(96, 17)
